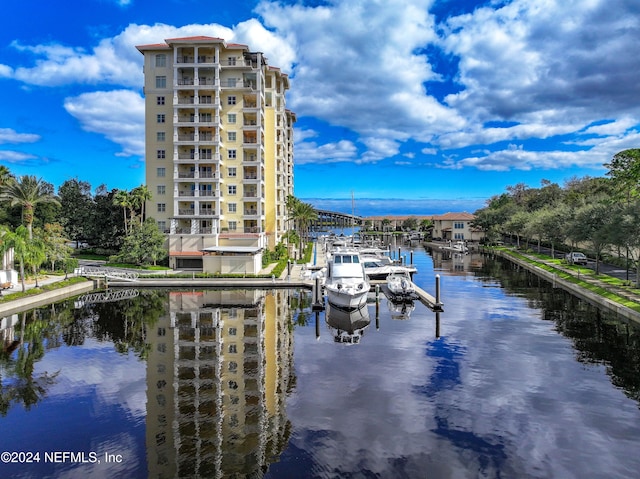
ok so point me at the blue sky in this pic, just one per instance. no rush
(414, 107)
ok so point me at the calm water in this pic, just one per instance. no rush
(513, 380)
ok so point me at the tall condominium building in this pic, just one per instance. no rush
(219, 152)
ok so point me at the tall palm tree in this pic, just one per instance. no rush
(27, 192)
(123, 198)
(140, 195)
(304, 214)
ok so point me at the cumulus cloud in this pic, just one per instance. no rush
(514, 72)
(9, 135)
(118, 115)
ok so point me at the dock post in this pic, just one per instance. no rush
(399, 255)
(317, 325)
(411, 257)
(437, 324)
(438, 304)
(377, 293)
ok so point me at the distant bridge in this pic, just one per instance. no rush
(327, 219)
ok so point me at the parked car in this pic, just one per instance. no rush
(576, 258)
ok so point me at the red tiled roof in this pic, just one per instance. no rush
(454, 216)
(193, 39)
(153, 46)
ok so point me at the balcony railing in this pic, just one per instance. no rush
(186, 211)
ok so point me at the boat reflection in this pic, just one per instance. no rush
(347, 326)
(401, 309)
(217, 377)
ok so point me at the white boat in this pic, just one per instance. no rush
(346, 284)
(377, 269)
(347, 326)
(401, 287)
(457, 247)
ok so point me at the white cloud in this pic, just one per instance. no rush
(15, 156)
(311, 152)
(118, 115)
(549, 69)
(9, 135)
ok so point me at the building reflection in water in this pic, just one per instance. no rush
(218, 373)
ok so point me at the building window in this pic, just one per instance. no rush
(232, 154)
(458, 236)
(160, 118)
(231, 61)
(162, 207)
(231, 118)
(231, 136)
(458, 225)
(160, 100)
(161, 82)
(231, 100)
(233, 331)
(162, 172)
(160, 136)
(232, 208)
(232, 172)
(233, 348)
(162, 226)
(161, 60)
(162, 189)
(232, 190)
(233, 226)
(161, 154)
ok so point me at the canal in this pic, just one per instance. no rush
(515, 379)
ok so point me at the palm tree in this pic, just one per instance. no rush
(304, 214)
(123, 198)
(140, 195)
(19, 241)
(27, 192)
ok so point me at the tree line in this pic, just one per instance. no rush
(39, 224)
(600, 215)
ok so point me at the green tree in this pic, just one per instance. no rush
(19, 241)
(410, 224)
(624, 169)
(55, 245)
(593, 224)
(123, 198)
(108, 229)
(28, 192)
(626, 233)
(144, 244)
(139, 196)
(77, 209)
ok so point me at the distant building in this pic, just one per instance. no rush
(449, 226)
(456, 227)
(393, 223)
(219, 152)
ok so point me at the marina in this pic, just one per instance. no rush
(238, 382)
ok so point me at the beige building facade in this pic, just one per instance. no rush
(219, 152)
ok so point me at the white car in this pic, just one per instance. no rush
(576, 258)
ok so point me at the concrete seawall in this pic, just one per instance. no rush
(46, 297)
(573, 288)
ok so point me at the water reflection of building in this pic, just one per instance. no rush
(217, 376)
(455, 262)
